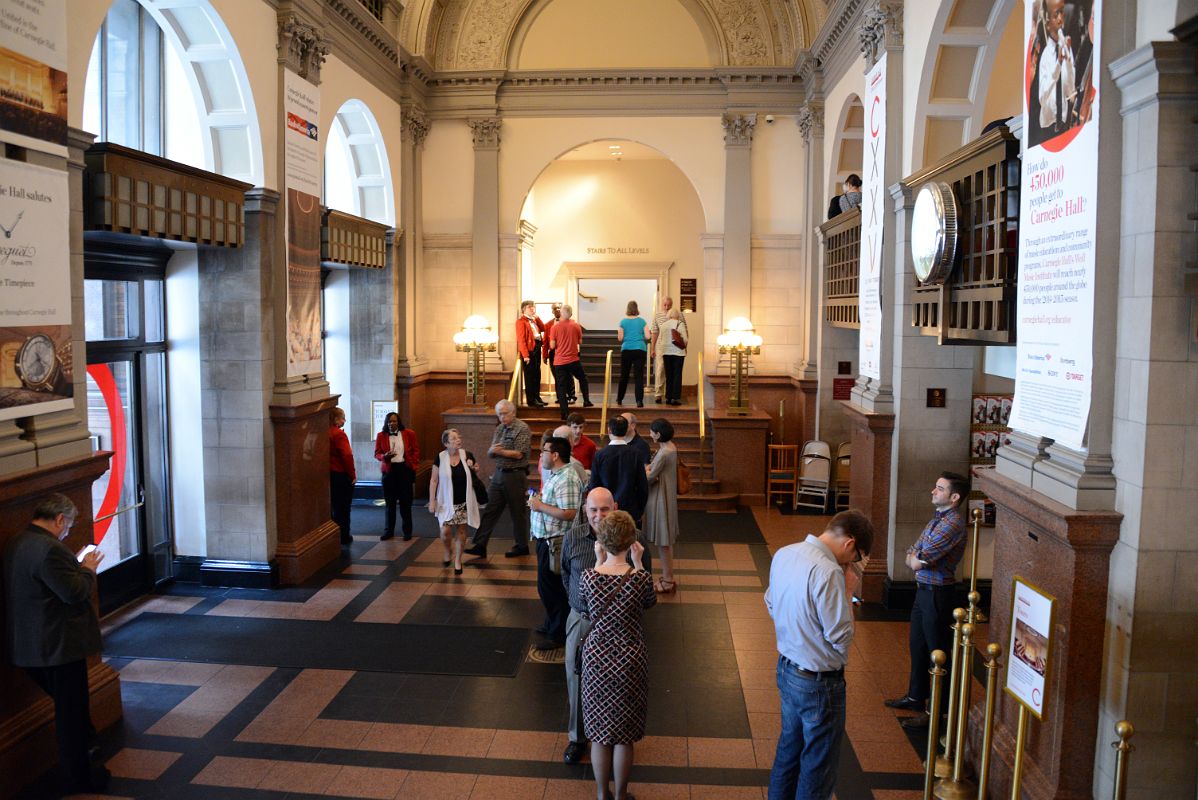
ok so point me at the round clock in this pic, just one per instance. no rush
(37, 363)
(934, 233)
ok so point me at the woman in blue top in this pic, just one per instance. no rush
(633, 353)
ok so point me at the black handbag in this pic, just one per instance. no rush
(480, 488)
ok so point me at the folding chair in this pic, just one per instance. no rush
(815, 476)
(783, 471)
(844, 469)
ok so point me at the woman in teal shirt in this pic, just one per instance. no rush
(633, 353)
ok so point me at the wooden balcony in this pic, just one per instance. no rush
(353, 241)
(976, 305)
(128, 191)
(842, 268)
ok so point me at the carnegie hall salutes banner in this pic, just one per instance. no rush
(1058, 192)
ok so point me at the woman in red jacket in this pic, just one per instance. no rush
(398, 452)
(342, 475)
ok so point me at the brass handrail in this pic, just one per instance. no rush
(511, 392)
(702, 416)
(606, 394)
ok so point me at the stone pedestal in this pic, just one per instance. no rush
(307, 536)
(1064, 553)
(869, 487)
(27, 745)
(738, 453)
(789, 403)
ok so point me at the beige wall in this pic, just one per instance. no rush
(1003, 96)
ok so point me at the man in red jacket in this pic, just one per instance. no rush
(530, 340)
(342, 475)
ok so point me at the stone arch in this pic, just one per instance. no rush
(847, 143)
(355, 129)
(962, 50)
(219, 82)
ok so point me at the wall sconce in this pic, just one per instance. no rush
(474, 339)
(740, 341)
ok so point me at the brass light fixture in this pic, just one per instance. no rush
(739, 340)
(474, 339)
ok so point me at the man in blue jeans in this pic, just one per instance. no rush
(810, 600)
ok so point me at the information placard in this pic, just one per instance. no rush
(1030, 645)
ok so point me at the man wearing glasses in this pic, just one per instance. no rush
(934, 558)
(810, 600)
(553, 512)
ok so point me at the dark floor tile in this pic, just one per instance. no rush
(375, 684)
(434, 610)
(708, 639)
(356, 707)
(413, 710)
(667, 713)
(424, 687)
(718, 723)
(146, 703)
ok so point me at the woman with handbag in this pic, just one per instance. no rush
(452, 496)
(661, 511)
(675, 337)
(398, 454)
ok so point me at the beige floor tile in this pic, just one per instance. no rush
(459, 742)
(726, 793)
(728, 753)
(372, 782)
(396, 737)
(338, 734)
(662, 751)
(299, 776)
(437, 786)
(765, 724)
(179, 673)
(241, 773)
(363, 569)
(295, 708)
(757, 659)
(559, 789)
(200, 711)
(656, 791)
(740, 580)
(763, 700)
(764, 751)
(235, 608)
(142, 765)
(887, 757)
(759, 679)
(526, 746)
(500, 787)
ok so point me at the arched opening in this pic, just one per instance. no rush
(973, 78)
(357, 173)
(611, 221)
(166, 78)
(846, 147)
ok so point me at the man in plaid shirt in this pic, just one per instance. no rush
(934, 558)
(552, 514)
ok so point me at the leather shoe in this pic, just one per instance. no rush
(548, 644)
(908, 703)
(477, 550)
(516, 552)
(657, 400)
(916, 723)
(386, 536)
(574, 752)
(587, 404)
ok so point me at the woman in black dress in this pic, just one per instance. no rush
(615, 669)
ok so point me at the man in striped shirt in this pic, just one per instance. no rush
(934, 558)
(659, 370)
(552, 513)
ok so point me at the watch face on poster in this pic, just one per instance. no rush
(37, 363)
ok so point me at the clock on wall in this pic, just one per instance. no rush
(934, 233)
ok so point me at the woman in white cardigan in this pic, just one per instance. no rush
(451, 496)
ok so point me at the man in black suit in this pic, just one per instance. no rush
(634, 439)
(52, 628)
(620, 469)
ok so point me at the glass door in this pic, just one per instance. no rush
(126, 404)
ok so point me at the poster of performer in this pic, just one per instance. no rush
(1058, 221)
(33, 77)
(36, 363)
(302, 174)
(1060, 69)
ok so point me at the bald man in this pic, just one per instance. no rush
(578, 555)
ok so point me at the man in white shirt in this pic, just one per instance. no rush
(1055, 79)
(810, 600)
(659, 373)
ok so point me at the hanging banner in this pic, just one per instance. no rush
(1057, 221)
(301, 105)
(33, 74)
(873, 211)
(36, 367)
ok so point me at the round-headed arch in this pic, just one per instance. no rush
(847, 145)
(357, 171)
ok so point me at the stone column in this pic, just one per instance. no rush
(738, 214)
(811, 126)
(484, 298)
(374, 328)
(407, 258)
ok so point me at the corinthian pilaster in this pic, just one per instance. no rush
(485, 233)
(881, 29)
(738, 129)
(413, 125)
(302, 47)
(485, 132)
(811, 121)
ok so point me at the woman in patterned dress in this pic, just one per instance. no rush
(451, 496)
(615, 669)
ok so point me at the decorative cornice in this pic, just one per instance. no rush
(738, 129)
(811, 121)
(365, 25)
(485, 132)
(841, 21)
(302, 47)
(881, 28)
(413, 125)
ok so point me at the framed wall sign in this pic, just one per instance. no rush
(379, 409)
(1029, 649)
(688, 286)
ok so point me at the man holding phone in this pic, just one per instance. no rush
(52, 628)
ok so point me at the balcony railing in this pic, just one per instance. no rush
(375, 7)
(128, 191)
(842, 268)
(976, 305)
(353, 241)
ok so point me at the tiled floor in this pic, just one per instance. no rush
(199, 730)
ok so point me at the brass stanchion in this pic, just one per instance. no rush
(937, 670)
(1125, 730)
(975, 611)
(944, 763)
(958, 787)
(1020, 740)
(992, 666)
(606, 395)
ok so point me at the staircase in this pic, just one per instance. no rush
(593, 355)
(705, 494)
